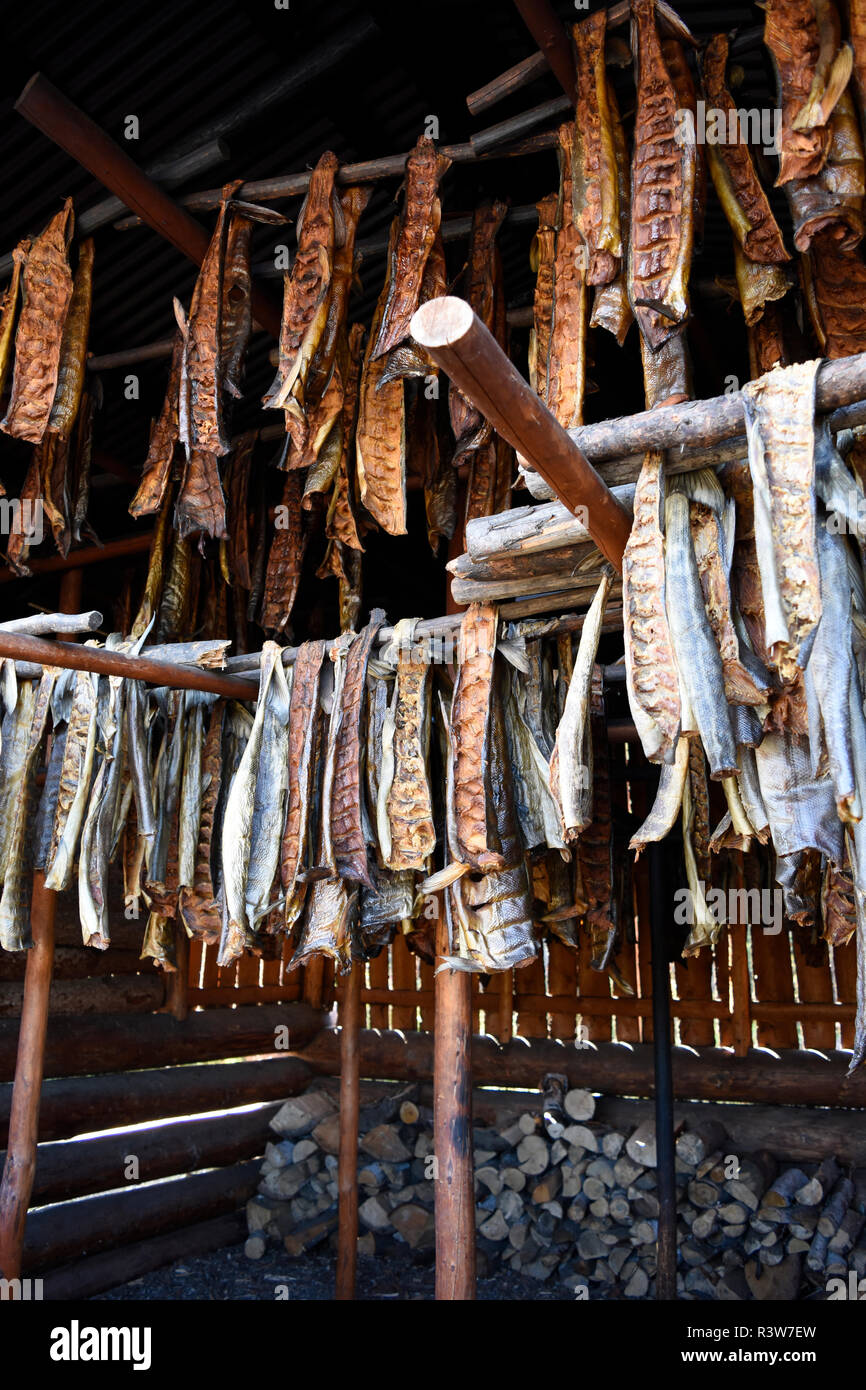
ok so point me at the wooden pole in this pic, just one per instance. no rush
(49, 110)
(666, 1247)
(460, 344)
(452, 1129)
(550, 34)
(350, 1099)
(67, 655)
(20, 1167)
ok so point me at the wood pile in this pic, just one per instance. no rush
(565, 1199)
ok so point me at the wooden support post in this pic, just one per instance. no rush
(347, 1173)
(452, 1130)
(49, 111)
(459, 343)
(666, 1247)
(20, 1166)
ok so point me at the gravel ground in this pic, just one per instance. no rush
(227, 1275)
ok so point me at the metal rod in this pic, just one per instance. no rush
(666, 1250)
(97, 659)
(49, 110)
(347, 1171)
(460, 344)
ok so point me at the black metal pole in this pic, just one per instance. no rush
(666, 1249)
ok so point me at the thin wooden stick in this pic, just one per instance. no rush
(347, 1172)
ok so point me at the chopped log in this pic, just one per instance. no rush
(114, 994)
(579, 1104)
(784, 1189)
(310, 1234)
(70, 1229)
(88, 1277)
(838, 1203)
(699, 1140)
(83, 1103)
(107, 1042)
(787, 1078)
(79, 1167)
(820, 1183)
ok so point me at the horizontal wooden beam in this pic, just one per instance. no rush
(119, 1042)
(77, 1104)
(619, 1069)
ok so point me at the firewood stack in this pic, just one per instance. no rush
(565, 1199)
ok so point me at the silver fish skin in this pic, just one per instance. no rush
(139, 762)
(537, 811)
(15, 932)
(749, 787)
(828, 676)
(16, 732)
(835, 485)
(327, 923)
(856, 844)
(237, 726)
(384, 906)
(698, 660)
(801, 809)
(571, 764)
(269, 802)
(48, 799)
(500, 912)
(668, 800)
(190, 796)
(96, 837)
(238, 822)
(75, 778)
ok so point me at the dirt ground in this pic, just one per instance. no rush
(227, 1275)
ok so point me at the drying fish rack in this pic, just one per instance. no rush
(750, 989)
(741, 992)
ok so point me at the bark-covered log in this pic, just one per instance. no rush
(111, 994)
(518, 566)
(791, 1078)
(69, 1230)
(78, 963)
(94, 1275)
(526, 531)
(78, 1104)
(112, 1042)
(78, 1167)
(580, 587)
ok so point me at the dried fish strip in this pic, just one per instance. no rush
(595, 190)
(9, 314)
(380, 439)
(611, 309)
(470, 738)
(201, 416)
(235, 551)
(833, 198)
(651, 672)
(15, 900)
(422, 215)
(305, 294)
(353, 201)
(828, 676)
(347, 831)
(75, 778)
(801, 808)
(809, 85)
(47, 287)
(779, 424)
(197, 905)
(571, 764)
(736, 182)
(96, 834)
(668, 799)
(327, 925)
(410, 803)
(566, 361)
(163, 439)
(73, 346)
(835, 293)
(236, 309)
(663, 185)
(285, 558)
(470, 428)
(542, 255)
(201, 504)
(697, 656)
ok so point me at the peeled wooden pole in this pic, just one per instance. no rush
(550, 34)
(459, 343)
(347, 1172)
